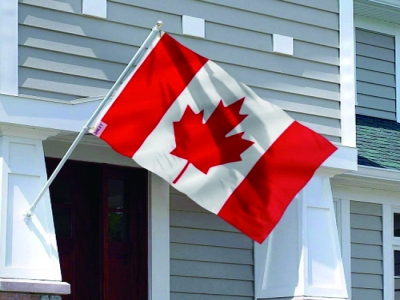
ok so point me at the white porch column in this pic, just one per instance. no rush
(301, 258)
(28, 249)
(159, 254)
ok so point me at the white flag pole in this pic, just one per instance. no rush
(155, 30)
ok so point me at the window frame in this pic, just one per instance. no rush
(390, 244)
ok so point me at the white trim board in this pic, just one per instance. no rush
(9, 47)
(368, 184)
(347, 74)
(343, 226)
(364, 194)
(72, 117)
(397, 64)
(159, 240)
(387, 232)
(345, 241)
(47, 114)
(374, 179)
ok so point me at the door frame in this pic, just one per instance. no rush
(92, 149)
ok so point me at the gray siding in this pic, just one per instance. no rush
(209, 258)
(376, 83)
(65, 55)
(366, 251)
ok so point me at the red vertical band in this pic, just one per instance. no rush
(160, 79)
(258, 203)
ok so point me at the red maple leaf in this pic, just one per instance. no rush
(205, 144)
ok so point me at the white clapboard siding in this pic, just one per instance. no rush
(366, 251)
(66, 55)
(376, 76)
(209, 258)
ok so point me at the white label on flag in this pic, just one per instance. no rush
(99, 129)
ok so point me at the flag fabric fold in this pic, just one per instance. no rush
(184, 118)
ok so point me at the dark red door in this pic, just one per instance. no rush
(100, 216)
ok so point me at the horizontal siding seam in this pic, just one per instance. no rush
(366, 288)
(81, 55)
(375, 58)
(204, 228)
(377, 97)
(378, 84)
(306, 112)
(377, 46)
(213, 261)
(366, 244)
(77, 96)
(367, 230)
(236, 296)
(68, 74)
(190, 211)
(58, 30)
(122, 65)
(48, 7)
(374, 230)
(375, 71)
(213, 278)
(305, 5)
(378, 59)
(373, 45)
(365, 214)
(211, 245)
(294, 93)
(367, 273)
(217, 278)
(47, 99)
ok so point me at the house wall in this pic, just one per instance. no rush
(366, 250)
(64, 55)
(376, 81)
(209, 258)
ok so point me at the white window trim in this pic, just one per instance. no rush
(390, 204)
(390, 29)
(9, 47)
(390, 244)
(387, 232)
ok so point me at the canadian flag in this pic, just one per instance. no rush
(184, 118)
